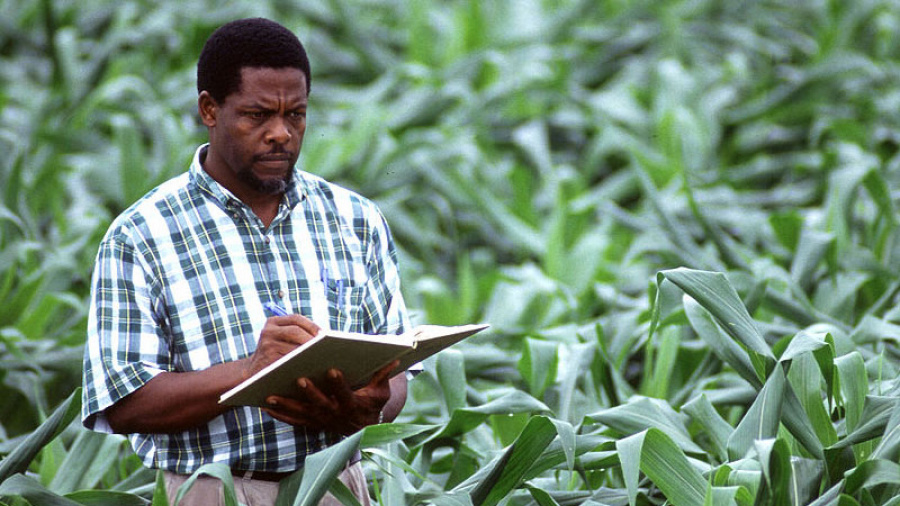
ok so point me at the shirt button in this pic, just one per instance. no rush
(267, 239)
(280, 294)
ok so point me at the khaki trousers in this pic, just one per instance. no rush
(208, 491)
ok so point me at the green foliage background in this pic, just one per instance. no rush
(678, 216)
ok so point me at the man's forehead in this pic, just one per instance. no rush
(287, 81)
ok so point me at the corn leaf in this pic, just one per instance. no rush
(508, 471)
(762, 419)
(19, 485)
(643, 413)
(654, 453)
(451, 372)
(21, 457)
(216, 470)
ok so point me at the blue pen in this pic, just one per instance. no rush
(323, 273)
(274, 309)
(340, 289)
(338, 283)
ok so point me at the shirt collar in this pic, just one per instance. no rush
(293, 195)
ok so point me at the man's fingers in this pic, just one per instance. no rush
(296, 320)
(307, 391)
(295, 412)
(292, 329)
(384, 374)
(292, 418)
(339, 388)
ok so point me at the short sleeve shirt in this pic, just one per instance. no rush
(179, 285)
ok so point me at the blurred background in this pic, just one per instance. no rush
(539, 162)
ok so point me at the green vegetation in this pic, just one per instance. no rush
(679, 217)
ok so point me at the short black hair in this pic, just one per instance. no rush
(252, 42)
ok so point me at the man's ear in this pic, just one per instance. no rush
(208, 109)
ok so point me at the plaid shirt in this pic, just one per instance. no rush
(179, 285)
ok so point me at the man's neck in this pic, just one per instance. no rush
(264, 205)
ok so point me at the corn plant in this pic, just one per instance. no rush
(679, 217)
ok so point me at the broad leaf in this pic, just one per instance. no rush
(642, 413)
(664, 463)
(21, 457)
(762, 419)
(509, 470)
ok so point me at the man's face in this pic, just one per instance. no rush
(255, 135)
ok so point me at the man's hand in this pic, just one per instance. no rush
(280, 336)
(335, 407)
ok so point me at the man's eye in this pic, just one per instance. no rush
(297, 115)
(256, 114)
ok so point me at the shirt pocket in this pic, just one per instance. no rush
(346, 297)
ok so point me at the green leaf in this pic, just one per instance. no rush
(583, 357)
(567, 440)
(541, 497)
(889, 447)
(319, 470)
(830, 496)
(804, 342)
(664, 362)
(806, 379)
(19, 485)
(21, 457)
(160, 494)
(720, 343)
(556, 454)
(342, 493)
(217, 470)
(664, 463)
(775, 457)
(451, 373)
(872, 473)
(854, 386)
(538, 365)
(762, 419)
(508, 471)
(716, 428)
(799, 424)
(811, 249)
(630, 449)
(88, 459)
(713, 291)
(452, 499)
(106, 498)
(466, 420)
(641, 413)
(376, 435)
(875, 416)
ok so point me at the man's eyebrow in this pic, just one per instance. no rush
(255, 106)
(261, 106)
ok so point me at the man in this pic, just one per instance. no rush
(182, 275)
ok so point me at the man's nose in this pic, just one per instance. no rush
(278, 131)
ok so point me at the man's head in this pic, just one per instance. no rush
(253, 79)
(254, 42)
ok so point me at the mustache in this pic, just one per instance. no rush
(277, 154)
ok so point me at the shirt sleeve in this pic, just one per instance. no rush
(126, 345)
(397, 316)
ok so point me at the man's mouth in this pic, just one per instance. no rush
(280, 161)
(274, 157)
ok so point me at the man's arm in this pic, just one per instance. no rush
(395, 404)
(177, 401)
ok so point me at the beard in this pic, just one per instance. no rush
(266, 186)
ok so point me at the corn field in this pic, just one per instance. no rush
(678, 216)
